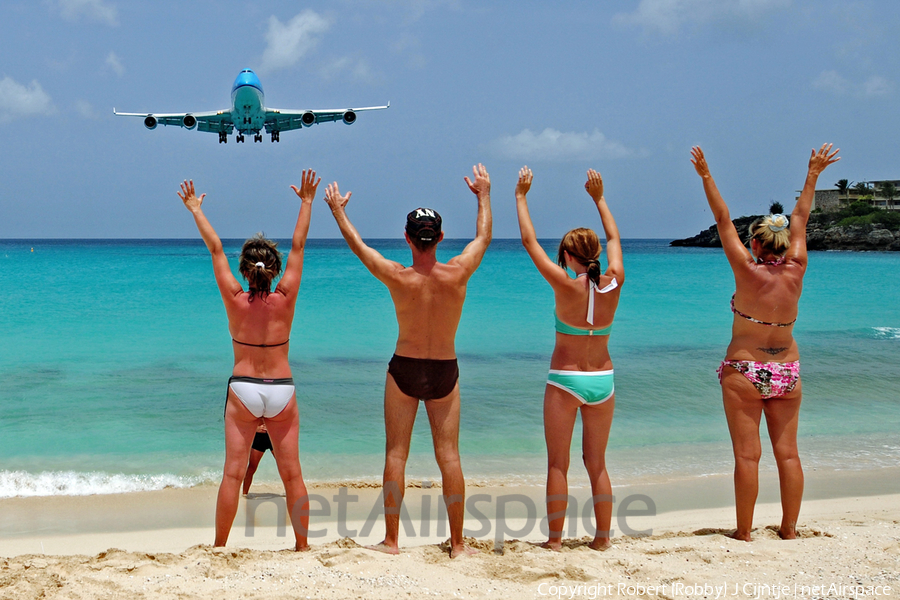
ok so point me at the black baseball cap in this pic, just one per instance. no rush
(423, 224)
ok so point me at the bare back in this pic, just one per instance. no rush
(583, 352)
(768, 293)
(259, 329)
(428, 301)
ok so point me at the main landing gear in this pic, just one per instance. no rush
(223, 137)
(275, 136)
(257, 137)
(239, 138)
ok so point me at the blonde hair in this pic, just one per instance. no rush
(260, 250)
(583, 246)
(772, 232)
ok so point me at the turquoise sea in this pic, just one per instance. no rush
(115, 356)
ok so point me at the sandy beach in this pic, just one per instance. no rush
(669, 542)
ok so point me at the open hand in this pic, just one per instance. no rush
(482, 183)
(594, 185)
(308, 186)
(821, 159)
(524, 184)
(699, 162)
(190, 199)
(334, 199)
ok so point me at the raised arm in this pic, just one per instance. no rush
(293, 269)
(594, 187)
(382, 268)
(474, 251)
(552, 272)
(734, 248)
(818, 161)
(229, 286)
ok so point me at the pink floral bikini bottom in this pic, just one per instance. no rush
(771, 379)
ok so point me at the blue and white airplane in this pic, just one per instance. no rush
(248, 114)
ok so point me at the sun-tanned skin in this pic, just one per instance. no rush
(428, 299)
(263, 321)
(770, 292)
(576, 353)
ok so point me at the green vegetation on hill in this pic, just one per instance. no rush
(859, 213)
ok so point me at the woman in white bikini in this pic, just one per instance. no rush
(261, 386)
(761, 370)
(581, 371)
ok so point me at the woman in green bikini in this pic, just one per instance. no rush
(581, 371)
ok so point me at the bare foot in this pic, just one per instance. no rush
(555, 546)
(741, 537)
(600, 544)
(382, 547)
(787, 533)
(462, 550)
(303, 548)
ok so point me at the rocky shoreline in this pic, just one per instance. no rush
(871, 237)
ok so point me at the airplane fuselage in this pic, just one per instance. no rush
(248, 114)
(248, 110)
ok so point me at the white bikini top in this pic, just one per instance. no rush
(595, 288)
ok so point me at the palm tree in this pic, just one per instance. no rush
(776, 208)
(843, 186)
(889, 191)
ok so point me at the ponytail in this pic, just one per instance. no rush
(260, 265)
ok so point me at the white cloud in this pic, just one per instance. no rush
(831, 81)
(876, 86)
(554, 145)
(85, 109)
(836, 84)
(357, 69)
(17, 100)
(96, 10)
(667, 17)
(288, 43)
(115, 64)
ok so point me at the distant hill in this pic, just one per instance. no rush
(825, 231)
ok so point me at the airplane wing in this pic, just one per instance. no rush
(217, 121)
(286, 120)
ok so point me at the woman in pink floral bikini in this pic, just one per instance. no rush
(761, 370)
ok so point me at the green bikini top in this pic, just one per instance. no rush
(567, 329)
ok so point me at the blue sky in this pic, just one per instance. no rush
(624, 87)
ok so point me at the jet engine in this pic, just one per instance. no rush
(308, 119)
(150, 122)
(349, 117)
(189, 121)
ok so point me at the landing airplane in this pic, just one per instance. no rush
(248, 114)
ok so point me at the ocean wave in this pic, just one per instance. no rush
(71, 483)
(887, 333)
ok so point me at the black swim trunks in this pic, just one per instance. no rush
(424, 378)
(262, 442)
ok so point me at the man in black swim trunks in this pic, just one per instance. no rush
(261, 443)
(428, 299)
